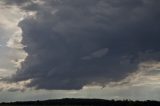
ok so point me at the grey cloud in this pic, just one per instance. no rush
(16, 2)
(100, 53)
(57, 42)
(97, 54)
(27, 5)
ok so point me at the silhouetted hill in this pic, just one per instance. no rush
(83, 102)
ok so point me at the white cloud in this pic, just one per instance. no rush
(19, 86)
(144, 76)
(10, 39)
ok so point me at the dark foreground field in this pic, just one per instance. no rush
(83, 102)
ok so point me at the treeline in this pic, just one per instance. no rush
(83, 102)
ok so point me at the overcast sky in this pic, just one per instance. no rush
(79, 48)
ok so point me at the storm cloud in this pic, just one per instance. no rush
(73, 43)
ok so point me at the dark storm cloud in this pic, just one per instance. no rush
(18, 2)
(73, 43)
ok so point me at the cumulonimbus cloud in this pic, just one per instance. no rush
(73, 43)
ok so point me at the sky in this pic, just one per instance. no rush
(52, 49)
